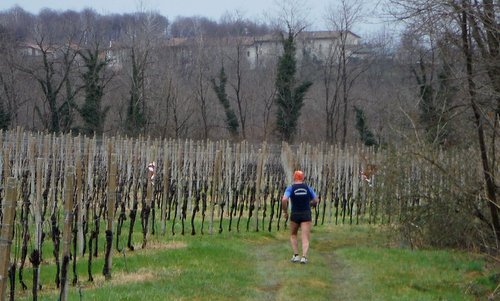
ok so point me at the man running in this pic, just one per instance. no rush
(302, 198)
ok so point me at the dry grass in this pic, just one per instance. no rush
(160, 245)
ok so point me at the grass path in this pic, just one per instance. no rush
(326, 277)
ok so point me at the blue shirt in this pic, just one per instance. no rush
(300, 196)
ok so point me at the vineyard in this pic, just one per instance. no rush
(66, 194)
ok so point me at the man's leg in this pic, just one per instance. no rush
(294, 228)
(306, 233)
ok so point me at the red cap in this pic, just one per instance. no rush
(298, 175)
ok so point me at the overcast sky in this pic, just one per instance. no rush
(252, 9)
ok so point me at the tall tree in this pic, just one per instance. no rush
(289, 94)
(220, 91)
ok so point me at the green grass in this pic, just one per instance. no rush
(346, 263)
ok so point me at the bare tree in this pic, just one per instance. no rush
(263, 95)
(181, 110)
(380, 86)
(11, 81)
(201, 80)
(174, 109)
(291, 15)
(339, 71)
(142, 36)
(55, 72)
(233, 52)
(192, 27)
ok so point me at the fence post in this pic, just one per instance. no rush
(6, 234)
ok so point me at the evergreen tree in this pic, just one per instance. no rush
(365, 133)
(92, 112)
(220, 90)
(434, 105)
(5, 118)
(289, 96)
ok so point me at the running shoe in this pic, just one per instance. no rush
(295, 258)
(303, 260)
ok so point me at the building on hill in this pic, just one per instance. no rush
(31, 49)
(318, 45)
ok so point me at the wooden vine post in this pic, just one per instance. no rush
(7, 233)
(192, 166)
(16, 168)
(148, 199)
(79, 161)
(331, 183)
(229, 180)
(215, 186)
(110, 216)
(38, 210)
(258, 185)
(166, 190)
(67, 232)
